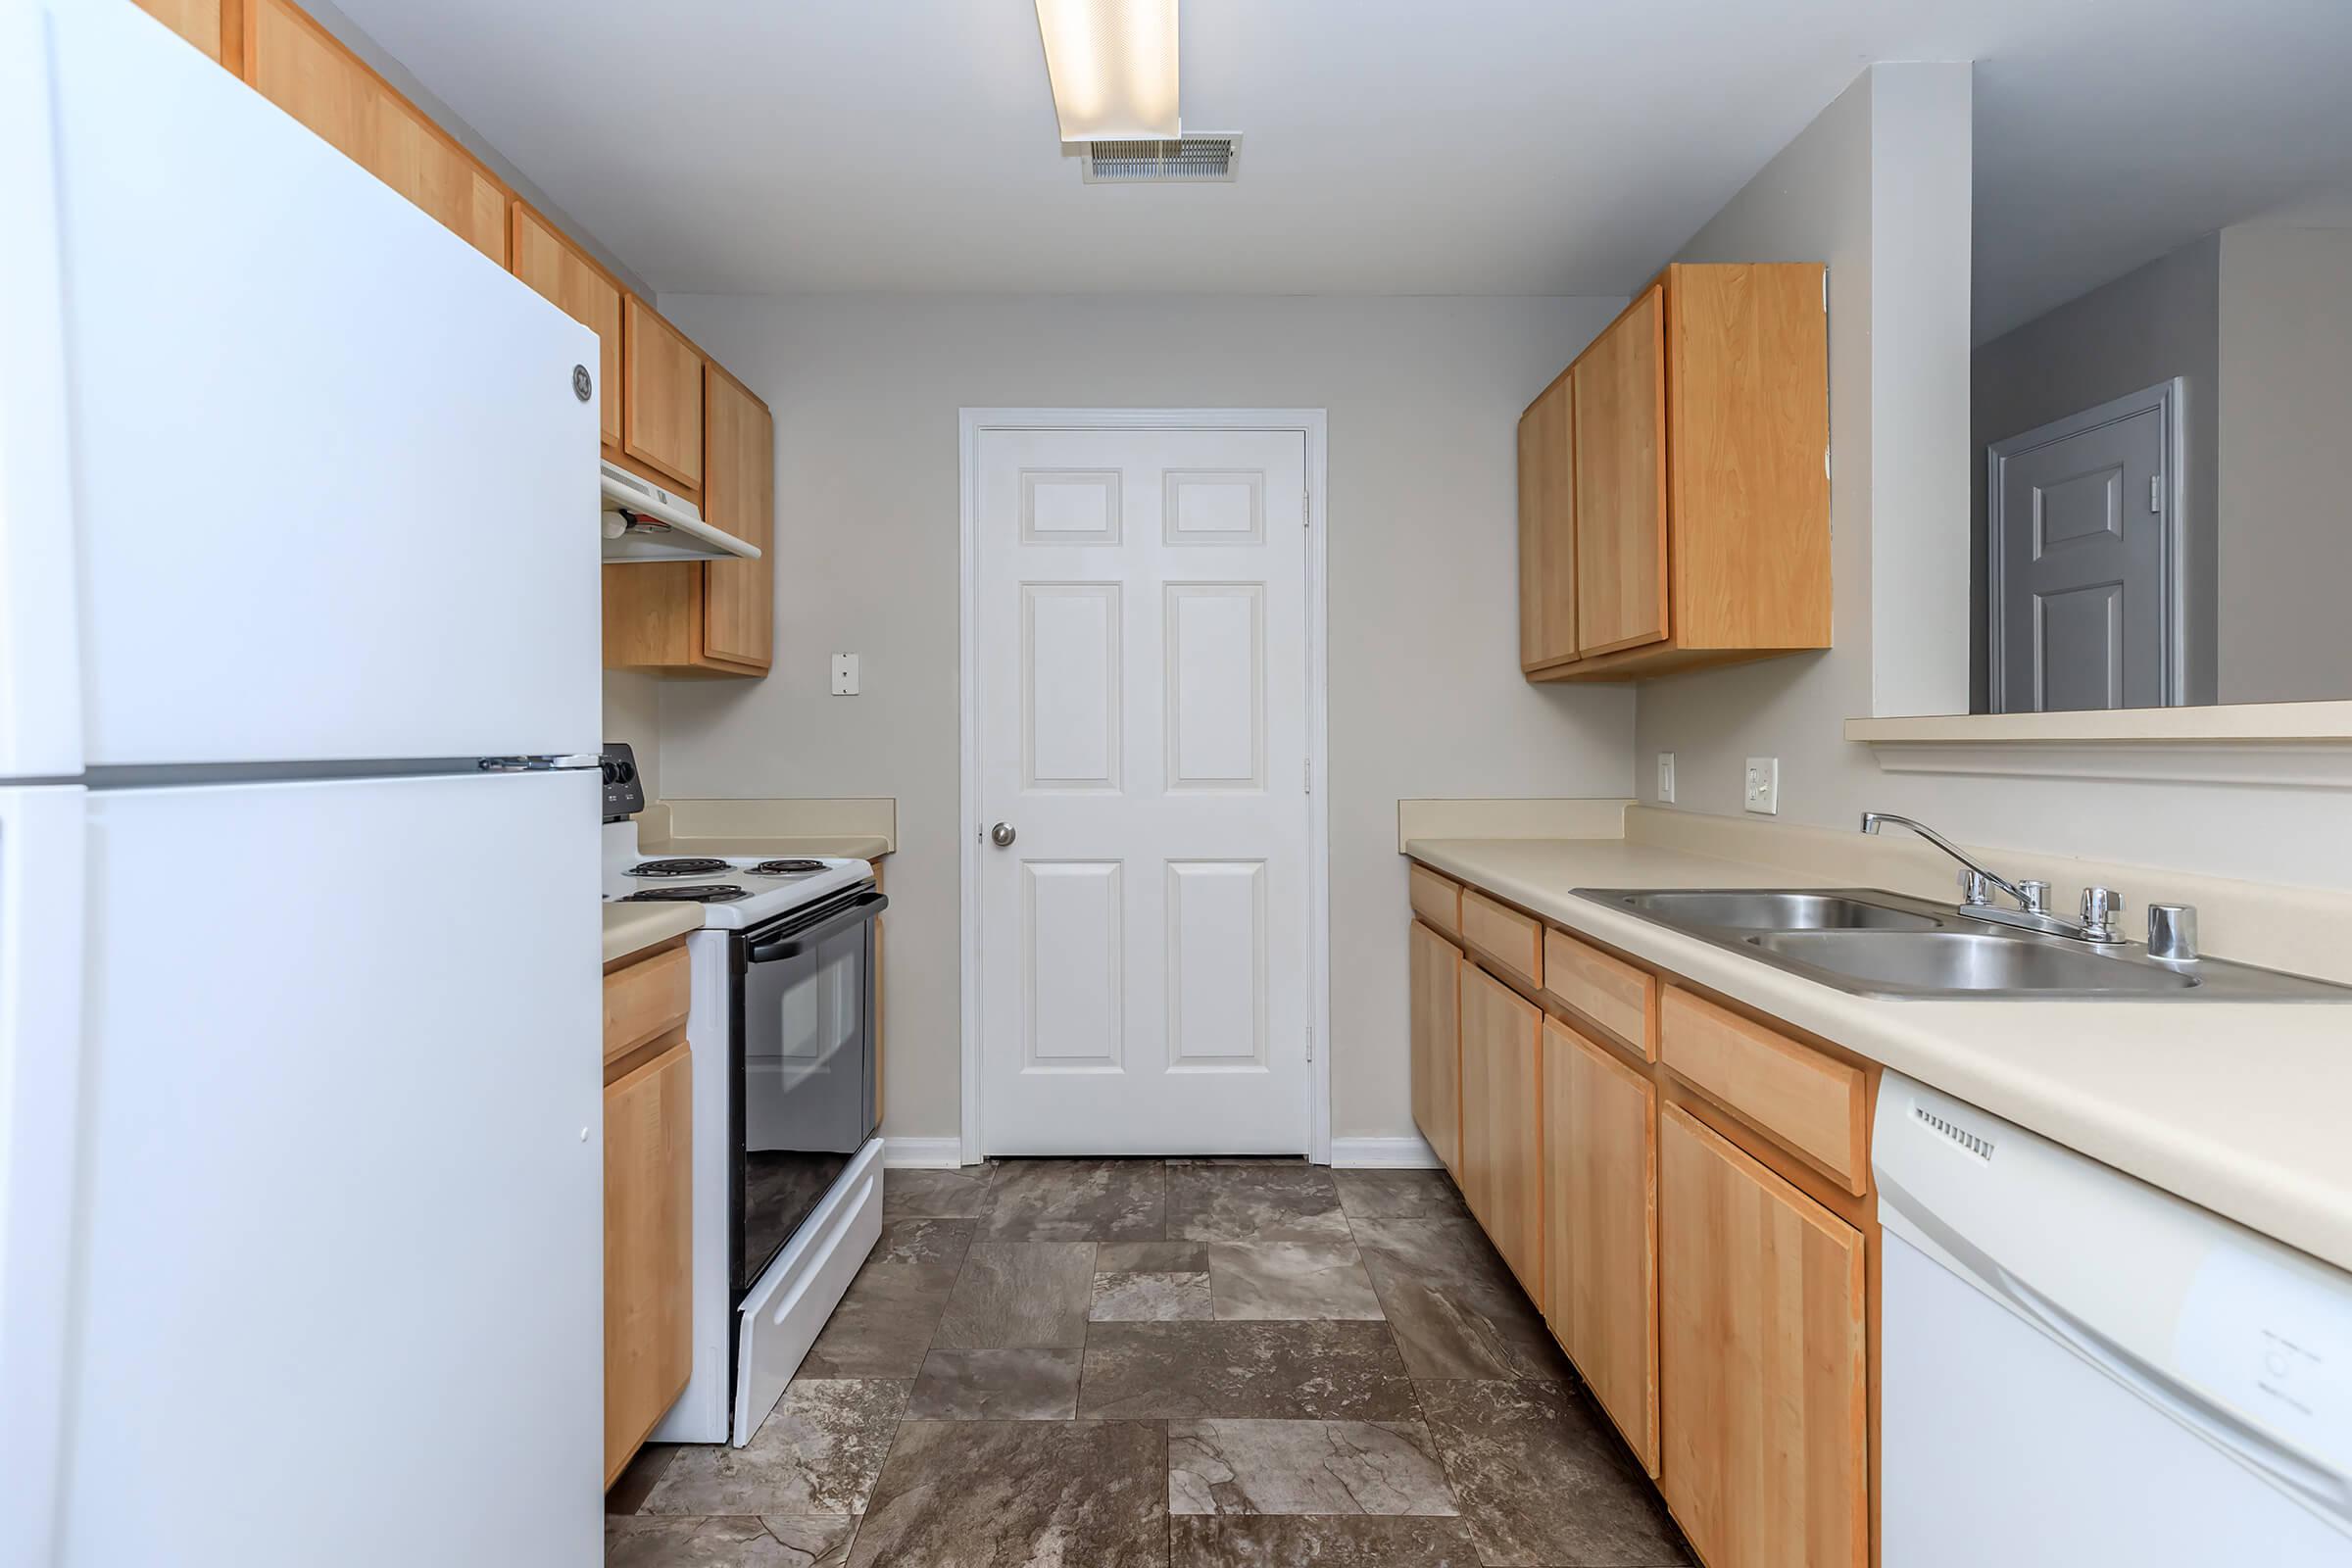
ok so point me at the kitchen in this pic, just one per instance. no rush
(939, 597)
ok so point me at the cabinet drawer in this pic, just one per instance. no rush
(1503, 937)
(644, 1001)
(1608, 990)
(1438, 902)
(1810, 1102)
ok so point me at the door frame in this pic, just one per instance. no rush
(1308, 422)
(2169, 401)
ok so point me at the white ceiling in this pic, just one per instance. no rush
(1478, 147)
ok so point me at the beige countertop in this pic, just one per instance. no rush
(2237, 1106)
(844, 846)
(633, 928)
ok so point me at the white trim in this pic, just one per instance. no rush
(923, 1153)
(1408, 1152)
(1312, 424)
(2286, 745)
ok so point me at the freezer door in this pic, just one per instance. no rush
(337, 492)
(40, 686)
(342, 1256)
(40, 1036)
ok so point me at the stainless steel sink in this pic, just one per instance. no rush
(1966, 963)
(1872, 943)
(1734, 909)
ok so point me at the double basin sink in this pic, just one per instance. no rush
(1870, 943)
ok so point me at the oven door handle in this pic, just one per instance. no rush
(792, 944)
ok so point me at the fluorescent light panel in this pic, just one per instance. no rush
(1113, 64)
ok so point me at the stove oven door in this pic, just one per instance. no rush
(804, 1067)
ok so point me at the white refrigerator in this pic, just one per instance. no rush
(300, 1135)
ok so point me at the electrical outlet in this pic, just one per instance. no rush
(845, 674)
(1666, 777)
(1763, 792)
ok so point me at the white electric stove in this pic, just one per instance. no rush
(787, 1160)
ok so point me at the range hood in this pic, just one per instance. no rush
(642, 521)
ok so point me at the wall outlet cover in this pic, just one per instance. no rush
(1762, 791)
(845, 674)
(1666, 777)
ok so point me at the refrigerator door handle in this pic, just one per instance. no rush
(565, 763)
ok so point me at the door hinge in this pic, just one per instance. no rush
(2155, 492)
(1307, 783)
(1311, 1042)
(1307, 511)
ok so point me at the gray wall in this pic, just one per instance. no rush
(2152, 324)
(1426, 699)
(2285, 415)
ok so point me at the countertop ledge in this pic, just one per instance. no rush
(634, 927)
(2233, 1106)
(844, 846)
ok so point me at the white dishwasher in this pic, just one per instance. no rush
(2077, 1368)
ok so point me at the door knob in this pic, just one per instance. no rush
(1001, 835)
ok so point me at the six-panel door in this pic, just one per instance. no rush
(1620, 481)
(1600, 1249)
(1436, 1053)
(1763, 1403)
(1139, 679)
(1502, 1123)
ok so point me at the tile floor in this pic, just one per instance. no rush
(1181, 1364)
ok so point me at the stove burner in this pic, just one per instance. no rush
(695, 893)
(697, 866)
(787, 868)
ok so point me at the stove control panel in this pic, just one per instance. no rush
(624, 791)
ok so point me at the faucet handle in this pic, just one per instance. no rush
(2172, 931)
(1975, 890)
(2034, 896)
(2099, 906)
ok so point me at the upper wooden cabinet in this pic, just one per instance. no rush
(1692, 500)
(200, 22)
(562, 271)
(1547, 527)
(1764, 1398)
(715, 617)
(306, 71)
(661, 406)
(739, 495)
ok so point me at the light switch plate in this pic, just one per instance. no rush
(845, 674)
(1666, 777)
(1763, 790)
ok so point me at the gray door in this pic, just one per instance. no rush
(2082, 560)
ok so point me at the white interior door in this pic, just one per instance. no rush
(1140, 734)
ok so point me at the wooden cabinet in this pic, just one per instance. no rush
(562, 272)
(1437, 1051)
(306, 71)
(1600, 1247)
(200, 22)
(1763, 1407)
(649, 1248)
(1620, 481)
(716, 617)
(1692, 498)
(1501, 1173)
(1808, 1099)
(739, 495)
(662, 401)
(1547, 527)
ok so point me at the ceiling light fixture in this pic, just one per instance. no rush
(1112, 65)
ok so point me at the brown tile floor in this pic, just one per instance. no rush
(1165, 1364)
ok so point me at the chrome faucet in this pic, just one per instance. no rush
(2099, 905)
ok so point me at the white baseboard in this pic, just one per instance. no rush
(1408, 1152)
(928, 1154)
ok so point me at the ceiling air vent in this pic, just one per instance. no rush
(1186, 160)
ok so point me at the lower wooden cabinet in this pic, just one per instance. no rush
(1437, 1044)
(1600, 1212)
(1762, 1358)
(649, 1248)
(1502, 1123)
